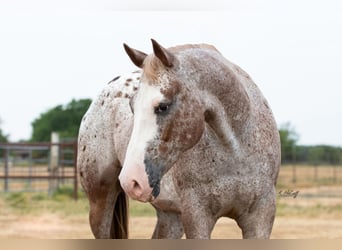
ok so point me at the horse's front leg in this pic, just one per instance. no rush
(257, 223)
(169, 226)
(197, 221)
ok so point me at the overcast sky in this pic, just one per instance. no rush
(53, 51)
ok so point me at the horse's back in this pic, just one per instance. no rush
(103, 127)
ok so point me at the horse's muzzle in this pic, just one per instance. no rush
(136, 188)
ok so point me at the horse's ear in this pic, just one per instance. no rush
(164, 56)
(136, 56)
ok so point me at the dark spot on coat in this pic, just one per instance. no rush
(126, 95)
(84, 148)
(119, 94)
(114, 79)
(163, 148)
(102, 103)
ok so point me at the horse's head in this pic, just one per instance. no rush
(168, 120)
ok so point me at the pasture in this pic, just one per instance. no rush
(316, 212)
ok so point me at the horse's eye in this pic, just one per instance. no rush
(162, 108)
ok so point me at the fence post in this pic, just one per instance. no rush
(6, 159)
(75, 171)
(294, 165)
(316, 172)
(294, 174)
(30, 167)
(334, 173)
(53, 166)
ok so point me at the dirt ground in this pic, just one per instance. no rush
(52, 227)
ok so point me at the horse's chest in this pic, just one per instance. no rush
(168, 199)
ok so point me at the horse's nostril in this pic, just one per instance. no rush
(136, 185)
(136, 188)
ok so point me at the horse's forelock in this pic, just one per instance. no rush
(152, 67)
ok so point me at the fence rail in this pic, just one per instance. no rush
(38, 166)
(310, 175)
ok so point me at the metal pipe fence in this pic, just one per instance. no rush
(311, 166)
(34, 167)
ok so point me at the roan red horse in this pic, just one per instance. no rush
(192, 134)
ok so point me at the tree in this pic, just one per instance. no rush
(288, 139)
(324, 154)
(62, 119)
(3, 138)
(316, 155)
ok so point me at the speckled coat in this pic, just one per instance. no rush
(228, 161)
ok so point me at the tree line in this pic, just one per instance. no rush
(63, 119)
(292, 153)
(66, 119)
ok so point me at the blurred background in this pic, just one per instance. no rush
(56, 56)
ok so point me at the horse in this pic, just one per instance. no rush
(191, 134)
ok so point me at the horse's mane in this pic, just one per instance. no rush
(191, 46)
(152, 65)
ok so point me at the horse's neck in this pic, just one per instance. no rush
(227, 103)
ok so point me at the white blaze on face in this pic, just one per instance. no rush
(144, 130)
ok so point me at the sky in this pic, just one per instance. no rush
(54, 51)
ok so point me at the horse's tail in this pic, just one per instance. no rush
(119, 229)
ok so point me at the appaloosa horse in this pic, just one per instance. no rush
(191, 134)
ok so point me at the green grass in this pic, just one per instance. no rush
(139, 209)
(61, 202)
